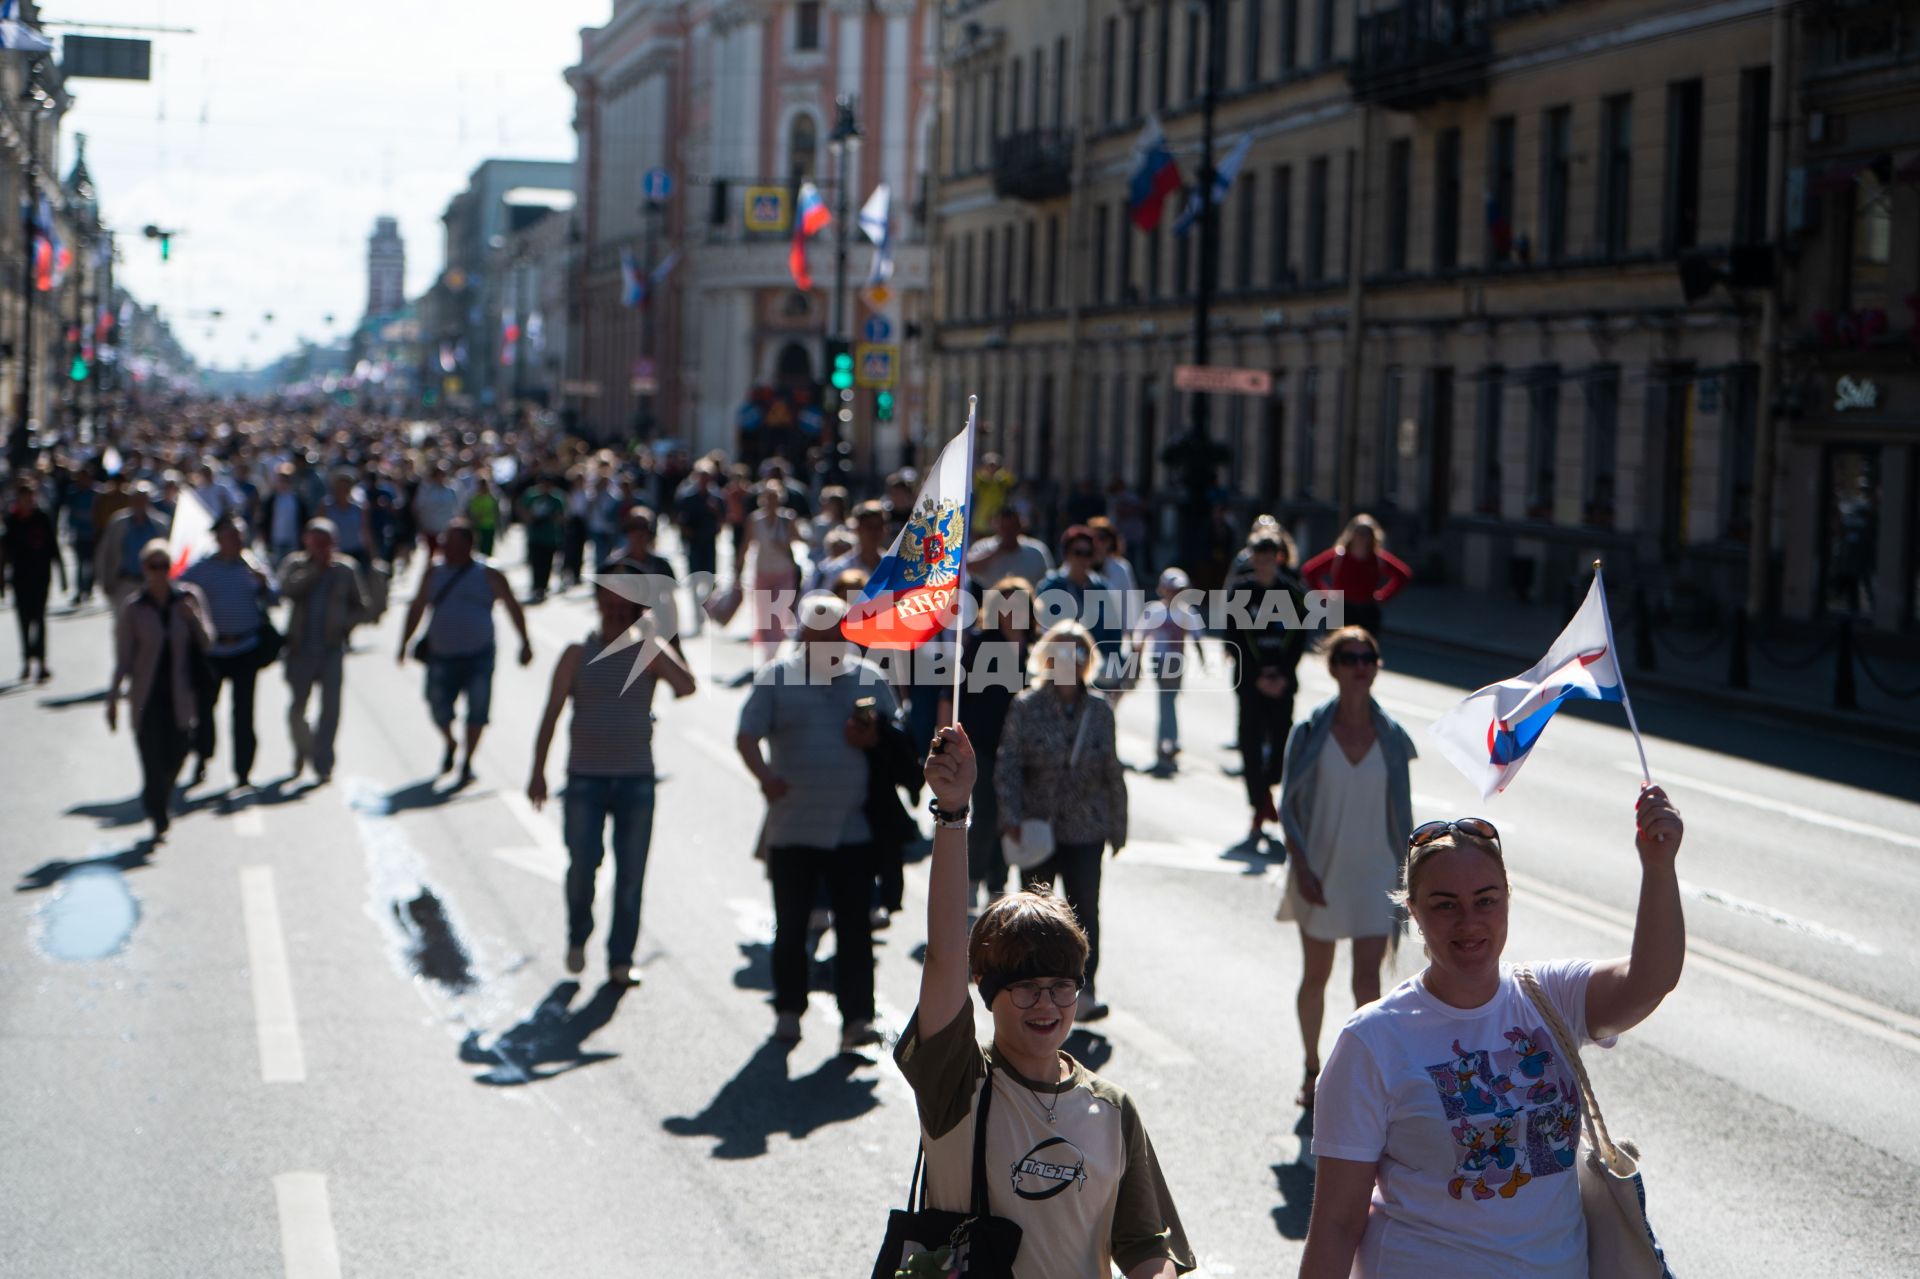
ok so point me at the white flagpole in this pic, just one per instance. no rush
(1626, 698)
(966, 544)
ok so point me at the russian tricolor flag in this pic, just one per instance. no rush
(910, 597)
(808, 220)
(1154, 177)
(1489, 735)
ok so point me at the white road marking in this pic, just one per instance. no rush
(545, 835)
(535, 861)
(1192, 855)
(307, 1246)
(250, 823)
(1798, 812)
(1805, 993)
(1741, 906)
(281, 1058)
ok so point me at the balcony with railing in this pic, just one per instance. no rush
(1420, 52)
(1034, 164)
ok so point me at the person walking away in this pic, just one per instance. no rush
(1479, 1179)
(238, 592)
(699, 513)
(799, 738)
(124, 539)
(328, 601)
(483, 509)
(544, 512)
(353, 521)
(1056, 1125)
(869, 548)
(772, 531)
(160, 633)
(283, 520)
(1266, 657)
(31, 554)
(610, 771)
(77, 511)
(461, 591)
(1346, 807)
(1168, 638)
(1360, 570)
(603, 514)
(1058, 763)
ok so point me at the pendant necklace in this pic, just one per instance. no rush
(1052, 1103)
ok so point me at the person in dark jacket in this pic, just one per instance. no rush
(32, 554)
(1265, 640)
(893, 765)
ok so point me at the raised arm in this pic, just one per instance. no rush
(950, 773)
(1622, 993)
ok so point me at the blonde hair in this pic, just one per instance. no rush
(1367, 522)
(1063, 633)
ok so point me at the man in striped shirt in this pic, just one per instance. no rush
(238, 591)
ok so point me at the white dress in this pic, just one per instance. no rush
(1348, 850)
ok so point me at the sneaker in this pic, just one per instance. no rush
(856, 1035)
(819, 921)
(786, 1028)
(466, 775)
(446, 761)
(1087, 1008)
(623, 975)
(576, 959)
(879, 919)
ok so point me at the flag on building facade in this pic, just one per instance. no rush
(1153, 177)
(1223, 175)
(17, 35)
(1489, 735)
(811, 218)
(876, 222)
(1499, 227)
(908, 598)
(633, 289)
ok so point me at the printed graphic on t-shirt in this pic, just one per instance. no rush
(1516, 1114)
(1048, 1169)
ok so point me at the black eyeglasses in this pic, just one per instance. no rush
(1062, 992)
(1356, 657)
(1472, 827)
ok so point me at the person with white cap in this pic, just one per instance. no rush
(1167, 635)
(328, 600)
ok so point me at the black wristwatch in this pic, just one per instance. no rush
(941, 817)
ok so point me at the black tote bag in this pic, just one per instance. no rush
(984, 1246)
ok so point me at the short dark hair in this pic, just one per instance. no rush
(1028, 934)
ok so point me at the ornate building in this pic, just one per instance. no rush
(386, 268)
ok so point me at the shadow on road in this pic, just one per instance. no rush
(756, 971)
(552, 1037)
(426, 794)
(1091, 1050)
(95, 698)
(762, 1100)
(1295, 1182)
(51, 873)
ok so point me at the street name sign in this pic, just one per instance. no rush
(1208, 377)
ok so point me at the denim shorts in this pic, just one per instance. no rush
(449, 677)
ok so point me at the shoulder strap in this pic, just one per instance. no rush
(1596, 1122)
(979, 1205)
(451, 582)
(1080, 733)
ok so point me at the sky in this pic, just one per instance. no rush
(275, 135)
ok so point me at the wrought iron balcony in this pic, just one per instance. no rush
(1422, 51)
(1035, 164)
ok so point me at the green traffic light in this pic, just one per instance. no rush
(883, 406)
(79, 371)
(842, 372)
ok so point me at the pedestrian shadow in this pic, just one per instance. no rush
(756, 971)
(427, 794)
(763, 1100)
(96, 697)
(550, 1042)
(50, 873)
(1253, 860)
(1295, 1183)
(1088, 1048)
(225, 803)
(109, 814)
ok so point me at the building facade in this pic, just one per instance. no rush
(386, 268)
(1456, 244)
(735, 103)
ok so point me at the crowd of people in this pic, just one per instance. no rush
(329, 512)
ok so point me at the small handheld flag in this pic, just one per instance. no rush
(1489, 735)
(909, 596)
(190, 536)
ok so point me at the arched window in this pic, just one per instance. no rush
(802, 146)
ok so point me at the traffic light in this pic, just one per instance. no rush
(883, 405)
(79, 371)
(842, 378)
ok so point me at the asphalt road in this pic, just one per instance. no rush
(328, 1032)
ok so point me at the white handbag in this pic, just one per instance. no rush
(1034, 844)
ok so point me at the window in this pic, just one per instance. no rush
(987, 309)
(1243, 228)
(806, 26)
(1486, 483)
(1399, 201)
(1280, 250)
(1616, 175)
(1053, 263)
(1682, 225)
(1289, 34)
(1190, 81)
(973, 126)
(1099, 283)
(1739, 409)
(802, 147)
(1039, 87)
(1016, 93)
(1027, 299)
(1870, 247)
(1446, 200)
(1750, 205)
(1543, 437)
(1323, 33)
(960, 109)
(1316, 265)
(1602, 444)
(967, 278)
(1304, 447)
(1128, 294)
(1136, 22)
(1109, 42)
(1162, 52)
(1556, 175)
(1155, 239)
(1387, 455)
(1251, 53)
(1006, 270)
(1347, 236)
(953, 279)
(1500, 191)
(993, 102)
(1060, 81)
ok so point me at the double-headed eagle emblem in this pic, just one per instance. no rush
(930, 550)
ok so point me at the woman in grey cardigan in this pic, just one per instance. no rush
(1346, 805)
(1058, 761)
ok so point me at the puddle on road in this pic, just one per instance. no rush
(437, 953)
(90, 916)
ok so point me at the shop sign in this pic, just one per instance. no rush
(1855, 393)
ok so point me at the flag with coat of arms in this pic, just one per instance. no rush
(910, 596)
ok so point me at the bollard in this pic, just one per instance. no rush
(1737, 653)
(1643, 654)
(1843, 694)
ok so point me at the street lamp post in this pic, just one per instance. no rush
(844, 144)
(35, 99)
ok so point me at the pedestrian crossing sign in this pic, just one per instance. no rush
(766, 208)
(874, 363)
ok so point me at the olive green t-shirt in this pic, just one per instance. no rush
(1085, 1189)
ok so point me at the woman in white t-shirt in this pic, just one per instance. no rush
(1447, 1130)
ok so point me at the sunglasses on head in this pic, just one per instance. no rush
(1472, 827)
(1356, 657)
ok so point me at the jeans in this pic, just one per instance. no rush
(589, 802)
(163, 748)
(796, 873)
(1079, 866)
(314, 743)
(540, 561)
(1169, 717)
(82, 570)
(237, 669)
(1264, 725)
(30, 610)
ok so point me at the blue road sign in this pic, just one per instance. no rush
(878, 328)
(657, 185)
